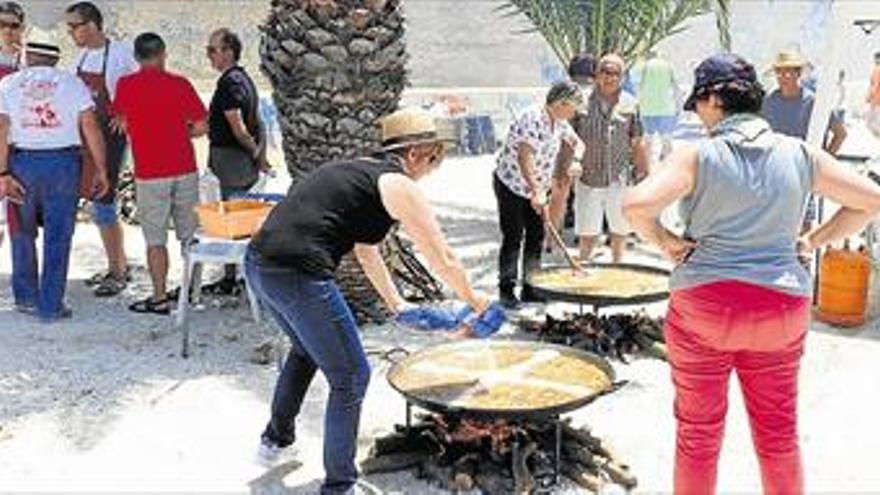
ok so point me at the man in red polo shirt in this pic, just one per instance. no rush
(161, 112)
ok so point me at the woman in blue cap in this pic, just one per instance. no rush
(740, 292)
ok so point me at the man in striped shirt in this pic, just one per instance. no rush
(615, 156)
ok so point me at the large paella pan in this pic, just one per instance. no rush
(602, 284)
(501, 379)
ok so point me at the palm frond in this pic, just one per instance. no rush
(629, 27)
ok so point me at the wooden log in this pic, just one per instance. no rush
(393, 462)
(582, 477)
(580, 453)
(619, 474)
(523, 481)
(596, 445)
(398, 443)
(657, 350)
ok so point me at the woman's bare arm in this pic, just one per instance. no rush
(377, 273)
(643, 203)
(406, 203)
(858, 196)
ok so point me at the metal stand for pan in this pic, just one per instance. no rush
(543, 414)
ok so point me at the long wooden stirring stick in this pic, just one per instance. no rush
(559, 242)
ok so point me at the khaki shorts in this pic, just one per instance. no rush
(160, 200)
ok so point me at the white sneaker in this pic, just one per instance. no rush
(269, 453)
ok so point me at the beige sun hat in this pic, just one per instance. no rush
(41, 42)
(790, 59)
(412, 125)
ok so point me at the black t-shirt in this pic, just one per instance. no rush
(337, 206)
(235, 90)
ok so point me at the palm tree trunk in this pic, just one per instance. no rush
(336, 66)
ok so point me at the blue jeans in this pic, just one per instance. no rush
(51, 182)
(323, 335)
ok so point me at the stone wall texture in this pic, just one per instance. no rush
(451, 42)
(468, 43)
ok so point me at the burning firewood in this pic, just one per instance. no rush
(613, 336)
(497, 457)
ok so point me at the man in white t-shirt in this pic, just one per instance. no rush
(100, 63)
(44, 112)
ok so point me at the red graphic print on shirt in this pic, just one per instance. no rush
(38, 105)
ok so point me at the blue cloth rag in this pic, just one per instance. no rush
(428, 318)
(488, 322)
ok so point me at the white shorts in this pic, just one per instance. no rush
(594, 204)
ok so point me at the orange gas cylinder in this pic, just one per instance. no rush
(843, 286)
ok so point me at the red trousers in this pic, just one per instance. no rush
(711, 330)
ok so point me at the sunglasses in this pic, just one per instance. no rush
(211, 50)
(10, 25)
(610, 72)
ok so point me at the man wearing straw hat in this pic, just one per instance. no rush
(44, 112)
(344, 206)
(789, 107)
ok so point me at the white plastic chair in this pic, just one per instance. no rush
(209, 250)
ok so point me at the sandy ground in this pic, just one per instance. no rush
(105, 403)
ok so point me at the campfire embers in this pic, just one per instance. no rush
(612, 336)
(498, 457)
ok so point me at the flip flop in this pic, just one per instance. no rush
(148, 305)
(96, 279)
(110, 286)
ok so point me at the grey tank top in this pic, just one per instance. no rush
(746, 209)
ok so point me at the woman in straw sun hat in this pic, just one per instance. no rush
(349, 205)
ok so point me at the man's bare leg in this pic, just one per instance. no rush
(586, 243)
(157, 262)
(114, 246)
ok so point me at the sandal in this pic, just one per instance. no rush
(110, 286)
(100, 277)
(96, 279)
(148, 305)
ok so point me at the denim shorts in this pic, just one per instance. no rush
(104, 214)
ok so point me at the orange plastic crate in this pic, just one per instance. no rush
(233, 219)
